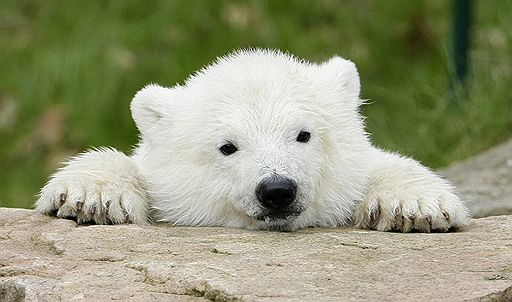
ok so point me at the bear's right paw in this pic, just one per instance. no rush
(101, 186)
(100, 204)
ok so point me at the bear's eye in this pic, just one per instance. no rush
(228, 149)
(303, 137)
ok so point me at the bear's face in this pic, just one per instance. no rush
(254, 135)
(269, 151)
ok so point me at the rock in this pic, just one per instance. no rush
(485, 181)
(48, 259)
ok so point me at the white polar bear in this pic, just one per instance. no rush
(259, 139)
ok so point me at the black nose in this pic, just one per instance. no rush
(276, 194)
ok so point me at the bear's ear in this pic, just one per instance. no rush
(150, 105)
(345, 76)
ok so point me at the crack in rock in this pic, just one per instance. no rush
(6, 235)
(49, 241)
(204, 290)
(358, 245)
(200, 288)
(10, 272)
(156, 274)
(502, 296)
(12, 292)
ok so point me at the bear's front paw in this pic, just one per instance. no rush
(90, 202)
(100, 186)
(411, 210)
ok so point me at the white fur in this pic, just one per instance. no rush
(258, 100)
(101, 185)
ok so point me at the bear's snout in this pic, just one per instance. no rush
(276, 194)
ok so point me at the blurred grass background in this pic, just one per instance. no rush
(68, 70)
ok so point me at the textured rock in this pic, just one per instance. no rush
(485, 181)
(48, 259)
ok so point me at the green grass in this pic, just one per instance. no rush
(68, 70)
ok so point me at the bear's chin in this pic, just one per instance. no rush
(281, 222)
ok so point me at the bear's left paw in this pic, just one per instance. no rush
(411, 210)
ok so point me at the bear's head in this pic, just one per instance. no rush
(257, 139)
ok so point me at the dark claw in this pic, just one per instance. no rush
(399, 225)
(446, 215)
(79, 206)
(93, 210)
(374, 215)
(397, 212)
(107, 207)
(126, 216)
(62, 198)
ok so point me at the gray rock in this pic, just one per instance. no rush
(48, 259)
(485, 181)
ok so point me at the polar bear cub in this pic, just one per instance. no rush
(261, 140)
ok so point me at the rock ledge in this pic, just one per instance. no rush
(48, 259)
(485, 181)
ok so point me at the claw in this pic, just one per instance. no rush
(79, 206)
(429, 220)
(127, 218)
(374, 215)
(404, 220)
(107, 207)
(399, 225)
(446, 215)
(62, 198)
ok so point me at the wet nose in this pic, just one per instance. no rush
(276, 194)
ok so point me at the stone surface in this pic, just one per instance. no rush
(485, 181)
(48, 259)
